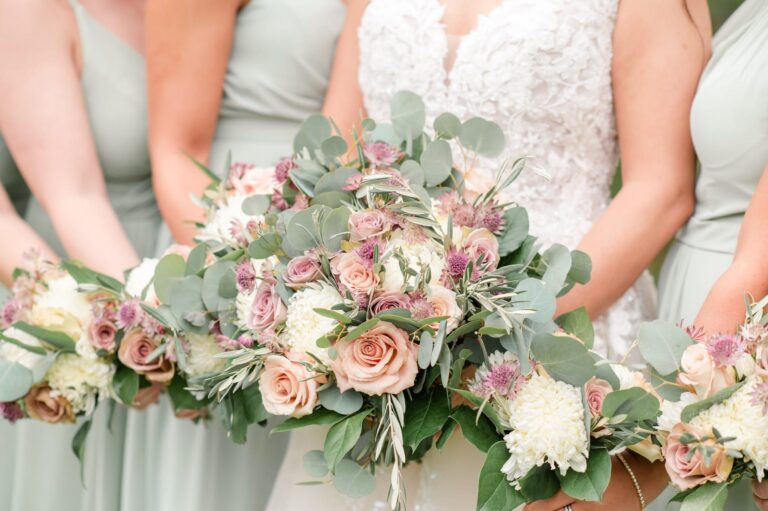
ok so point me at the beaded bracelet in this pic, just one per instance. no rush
(634, 480)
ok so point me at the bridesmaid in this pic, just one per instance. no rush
(720, 254)
(272, 59)
(76, 126)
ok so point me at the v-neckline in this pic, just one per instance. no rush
(460, 38)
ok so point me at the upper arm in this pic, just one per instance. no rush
(344, 100)
(188, 44)
(659, 54)
(42, 112)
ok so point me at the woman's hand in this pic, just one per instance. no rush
(621, 493)
(760, 493)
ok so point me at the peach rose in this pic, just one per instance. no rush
(647, 449)
(354, 274)
(135, 349)
(250, 180)
(288, 386)
(686, 470)
(596, 389)
(147, 396)
(301, 270)
(482, 243)
(103, 332)
(443, 302)
(268, 309)
(700, 371)
(382, 360)
(367, 224)
(41, 405)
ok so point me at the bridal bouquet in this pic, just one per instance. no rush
(356, 292)
(714, 421)
(561, 421)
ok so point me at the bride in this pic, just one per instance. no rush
(572, 83)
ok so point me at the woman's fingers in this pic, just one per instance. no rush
(760, 490)
(555, 503)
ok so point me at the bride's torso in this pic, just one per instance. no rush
(540, 69)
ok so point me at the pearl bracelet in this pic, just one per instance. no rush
(634, 480)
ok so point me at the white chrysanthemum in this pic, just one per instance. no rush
(547, 421)
(81, 381)
(303, 326)
(13, 353)
(671, 411)
(418, 255)
(201, 355)
(62, 308)
(244, 306)
(227, 219)
(140, 277)
(739, 417)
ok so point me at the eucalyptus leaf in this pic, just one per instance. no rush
(515, 231)
(168, 271)
(303, 230)
(534, 295)
(412, 171)
(333, 199)
(581, 267)
(78, 444)
(483, 137)
(437, 161)
(335, 180)
(495, 493)
(315, 465)
(447, 125)
(196, 259)
(353, 480)
(558, 261)
(591, 484)
(211, 284)
(333, 147)
(312, 133)
(345, 403)
(662, 345)
(577, 323)
(694, 409)
(335, 228)
(408, 114)
(564, 358)
(636, 403)
(15, 381)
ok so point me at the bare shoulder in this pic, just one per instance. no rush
(37, 25)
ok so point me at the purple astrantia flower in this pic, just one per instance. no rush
(420, 307)
(456, 263)
(11, 411)
(726, 349)
(367, 249)
(500, 375)
(129, 314)
(354, 182)
(283, 168)
(760, 396)
(464, 215)
(694, 332)
(380, 153)
(492, 220)
(10, 312)
(245, 277)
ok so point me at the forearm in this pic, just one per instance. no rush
(624, 241)
(724, 307)
(18, 239)
(90, 232)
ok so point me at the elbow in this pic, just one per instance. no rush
(680, 206)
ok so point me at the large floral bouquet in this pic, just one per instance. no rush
(714, 421)
(357, 291)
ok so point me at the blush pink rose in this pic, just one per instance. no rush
(301, 270)
(268, 309)
(596, 389)
(387, 301)
(367, 224)
(687, 471)
(354, 274)
(701, 372)
(382, 360)
(482, 243)
(135, 349)
(251, 180)
(287, 386)
(103, 332)
(443, 302)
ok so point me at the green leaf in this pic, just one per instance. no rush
(253, 405)
(662, 345)
(483, 137)
(709, 497)
(315, 465)
(437, 161)
(125, 383)
(577, 323)
(425, 416)
(256, 205)
(516, 225)
(78, 444)
(168, 271)
(335, 228)
(534, 295)
(320, 416)
(345, 403)
(353, 480)
(539, 483)
(447, 126)
(37, 350)
(334, 199)
(591, 484)
(211, 281)
(634, 402)
(335, 180)
(558, 261)
(312, 132)
(487, 409)
(15, 381)
(342, 437)
(303, 230)
(385, 132)
(83, 275)
(426, 343)
(265, 246)
(412, 171)
(58, 340)
(694, 409)
(208, 172)
(361, 329)
(494, 492)
(581, 267)
(181, 398)
(333, 147)
(196, 259)
(186, 296)
(478, 430)
(408, 114)
(564, 358)
(335, 315)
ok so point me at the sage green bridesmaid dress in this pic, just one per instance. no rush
(277, 75)
(729, 124)
(46, 475)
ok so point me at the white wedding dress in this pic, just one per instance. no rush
(541, 69)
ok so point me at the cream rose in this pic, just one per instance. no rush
(686, 470)
(443, 302)
(382, 360)
(354, 274)
(287, 386)
(135, 349)
(700, 371)
(42, 405)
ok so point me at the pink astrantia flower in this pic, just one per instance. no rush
(760, 396)
(354, 182)
(754, 335)
(380, 153)
(726, 349)
(694, 332)
(499, 375)
(492, 220)
(456, 263)
(245, 277)
(283, 169)
(10, 313)
(420, 307)
(11, 412)
(129, 314)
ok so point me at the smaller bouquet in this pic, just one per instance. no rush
(561, 421)
(714, 423)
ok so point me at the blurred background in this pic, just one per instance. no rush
(721, 9)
